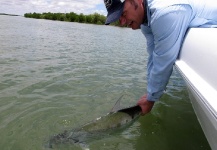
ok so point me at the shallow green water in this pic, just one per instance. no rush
(56, 76)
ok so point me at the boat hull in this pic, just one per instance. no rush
(197, 63)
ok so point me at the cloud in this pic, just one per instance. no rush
(21, 7)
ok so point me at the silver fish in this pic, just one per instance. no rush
(100, 127)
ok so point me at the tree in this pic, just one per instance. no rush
(82, 18)
(89, 18)
(73, 17)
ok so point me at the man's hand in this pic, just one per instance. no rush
(145, 105)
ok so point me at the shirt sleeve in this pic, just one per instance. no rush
(150, 46)
(168, 28)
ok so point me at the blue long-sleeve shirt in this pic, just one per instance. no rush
(168, 21)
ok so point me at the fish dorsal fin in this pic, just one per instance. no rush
(116, 107)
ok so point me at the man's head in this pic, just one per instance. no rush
(129, 12)
(115, 9)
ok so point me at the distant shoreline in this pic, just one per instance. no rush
(8, 14)
(71, 17)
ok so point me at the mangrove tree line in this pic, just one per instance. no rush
(70, 17)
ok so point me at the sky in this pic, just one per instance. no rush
(20, 7)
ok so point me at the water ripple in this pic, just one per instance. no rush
(59, 75)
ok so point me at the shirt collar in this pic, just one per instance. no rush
(148, 14)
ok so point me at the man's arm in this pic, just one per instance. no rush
(168, 28)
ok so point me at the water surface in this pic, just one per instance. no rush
(58, 75)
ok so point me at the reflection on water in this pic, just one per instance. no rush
(57, 75)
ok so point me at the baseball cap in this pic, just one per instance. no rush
(115, 9)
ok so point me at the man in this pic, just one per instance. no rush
(164, 24)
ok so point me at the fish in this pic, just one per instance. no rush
(113, 121)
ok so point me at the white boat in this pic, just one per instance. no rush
(197, 63)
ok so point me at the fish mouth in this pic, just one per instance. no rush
(132, 111)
